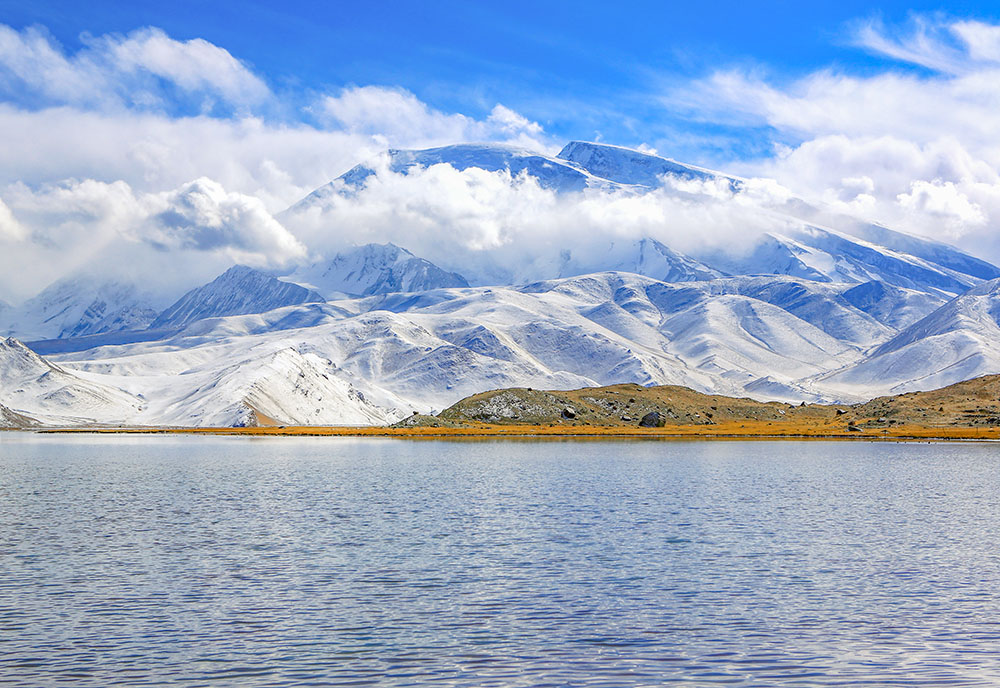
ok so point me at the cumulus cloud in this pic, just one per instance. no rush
(145, 68)
(916, 149)
(203, 216)
(393, 115)
(101, 146)
(10, 228)
(187, 234)
(194, 65)
(493, 227)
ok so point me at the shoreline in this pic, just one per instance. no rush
(678, 432)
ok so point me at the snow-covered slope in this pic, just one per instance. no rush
(632, 167)
(958, 341)
(381, 357)
(932, 251)
(78, 306)
(552, 173)
(818, 304)
(267, 386)
(651, 258)
(893, 306)
(375, 269)
(828, 256)
(858, 250)
(33, 386)
(237, 291)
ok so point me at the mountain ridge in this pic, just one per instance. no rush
(812, 313)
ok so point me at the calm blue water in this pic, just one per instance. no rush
(233, 561)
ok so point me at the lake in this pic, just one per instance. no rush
(333, 561)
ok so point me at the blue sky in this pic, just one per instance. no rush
(115, 116)
(581, 70)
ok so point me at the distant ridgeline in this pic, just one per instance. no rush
(375, 333)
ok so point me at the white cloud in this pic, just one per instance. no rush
(123, 71)
(153, 152)
(982, 40)
(203, 216)
(194, 65)
(100, 146)
(491, 226)
(918, 150)
(395, 117)
(169, 239)
(949, 47)
(10, 228)
(943, 200)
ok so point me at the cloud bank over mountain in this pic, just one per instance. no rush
(912, 146)
(144, 154)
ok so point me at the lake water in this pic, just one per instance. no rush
(245, 562)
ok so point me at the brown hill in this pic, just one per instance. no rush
(971, 404)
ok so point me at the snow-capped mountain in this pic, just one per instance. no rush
(552, 173)
(797, 246)
(379, 358)
(375, 269)
(580, 165)
(831, 310)
(401, 352)
(78, 306)
(237, 291)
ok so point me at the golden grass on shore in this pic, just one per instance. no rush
(735, 430)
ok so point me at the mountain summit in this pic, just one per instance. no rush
(237, 291)
(376, 269)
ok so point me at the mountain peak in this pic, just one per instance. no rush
(377, 269)
(80, 305)
(387, 250)
(240, 290)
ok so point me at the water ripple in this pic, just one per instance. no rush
(237, 562)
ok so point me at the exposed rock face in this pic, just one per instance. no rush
(653, 419)
(12, 420)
